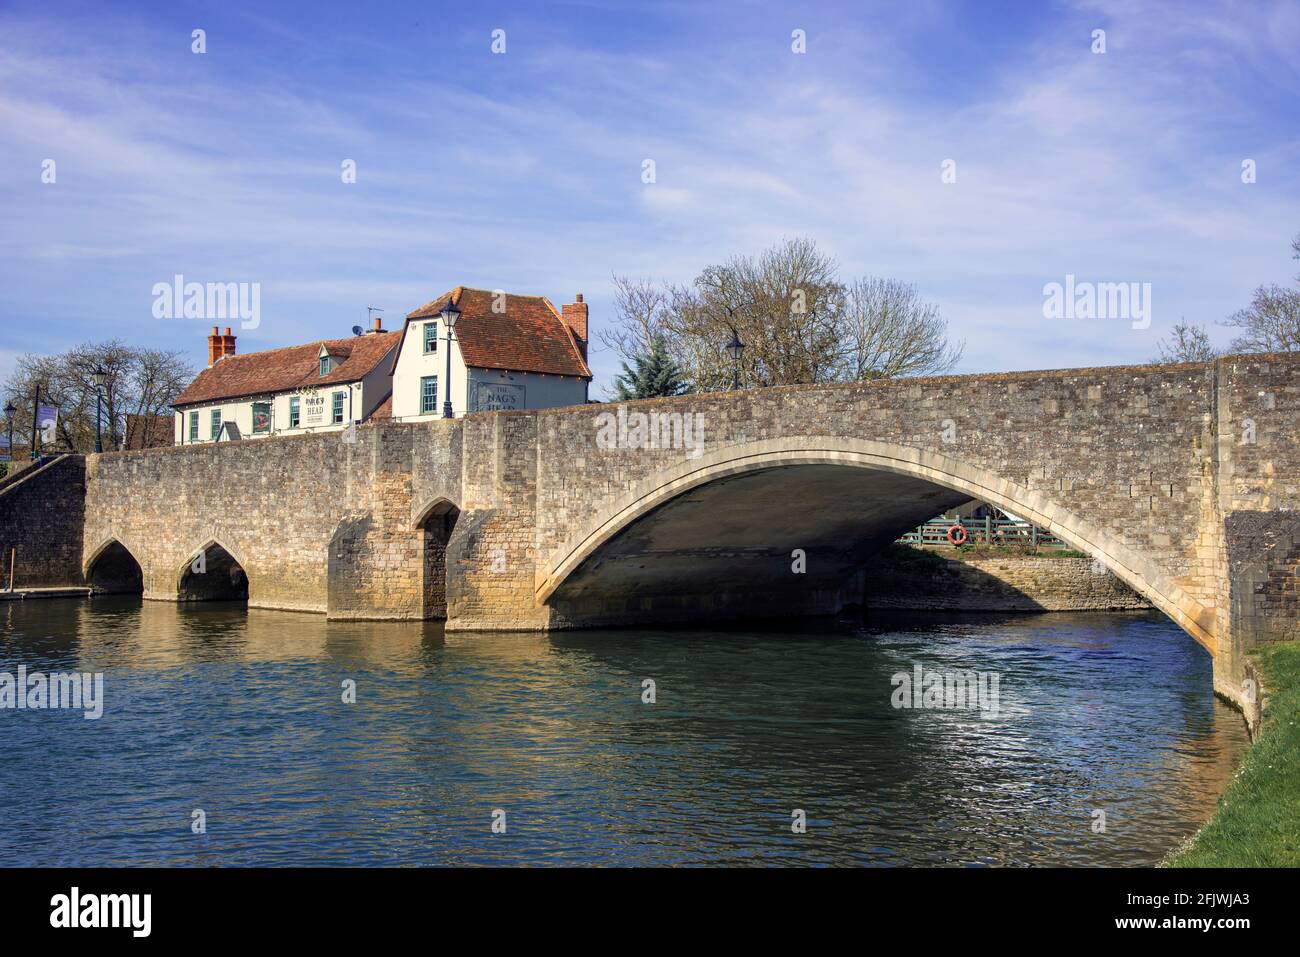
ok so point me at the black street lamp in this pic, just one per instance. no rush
(450, 315)
(10, 411)
(734, 348)
(99, 377)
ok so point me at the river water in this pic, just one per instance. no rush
(239, 714)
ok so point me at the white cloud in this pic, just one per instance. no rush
(1120, 167)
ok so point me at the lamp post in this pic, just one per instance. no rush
(734, 348)
(99, 377)
(10, 411)
(450, 315)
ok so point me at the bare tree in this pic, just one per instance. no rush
(786, 306)
(797, 321)
(137, 381)
(890, 331)
(640, 308)
(156, 378)
(1186, 343)
(1271, 323)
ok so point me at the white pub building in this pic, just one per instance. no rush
(469, 350)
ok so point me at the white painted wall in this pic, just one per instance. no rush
(413, 363)
(360, 399)
(531, 390)
(241, 412)
(376, 386)
(523, 390)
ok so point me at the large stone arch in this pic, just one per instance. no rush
(661, 487)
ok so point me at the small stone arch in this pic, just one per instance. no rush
(112, 568)
(92, 555)
(436, 520)
(1139, 573)
(440, 505)
(213, 572)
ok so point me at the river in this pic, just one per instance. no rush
(234, 719)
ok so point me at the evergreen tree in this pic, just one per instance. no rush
(655, 374)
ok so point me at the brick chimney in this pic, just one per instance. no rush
(575, 317)
(220, 345)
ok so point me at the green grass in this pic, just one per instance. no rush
(1257, 823)
(980, 550)
(899, 553)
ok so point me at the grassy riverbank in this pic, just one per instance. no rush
(900, 553)
(1257, 823)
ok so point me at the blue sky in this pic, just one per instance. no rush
(522, 171)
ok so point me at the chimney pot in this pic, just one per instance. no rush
(379, 324)
(575, 317)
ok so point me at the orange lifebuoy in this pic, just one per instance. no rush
(957, 534)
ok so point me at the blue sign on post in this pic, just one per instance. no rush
(47, 419)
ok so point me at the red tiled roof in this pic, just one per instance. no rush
(529, 336)
(294, 367)
(383, 410)
(149, 431)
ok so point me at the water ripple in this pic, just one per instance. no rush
(239, 713)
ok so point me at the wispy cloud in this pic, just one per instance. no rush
(523, 171)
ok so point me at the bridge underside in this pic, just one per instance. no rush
(782, 541)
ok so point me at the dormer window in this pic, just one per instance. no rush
(328, 363)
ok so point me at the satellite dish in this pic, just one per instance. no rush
(357, 330)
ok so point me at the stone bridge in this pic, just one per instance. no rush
(1184, 480)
